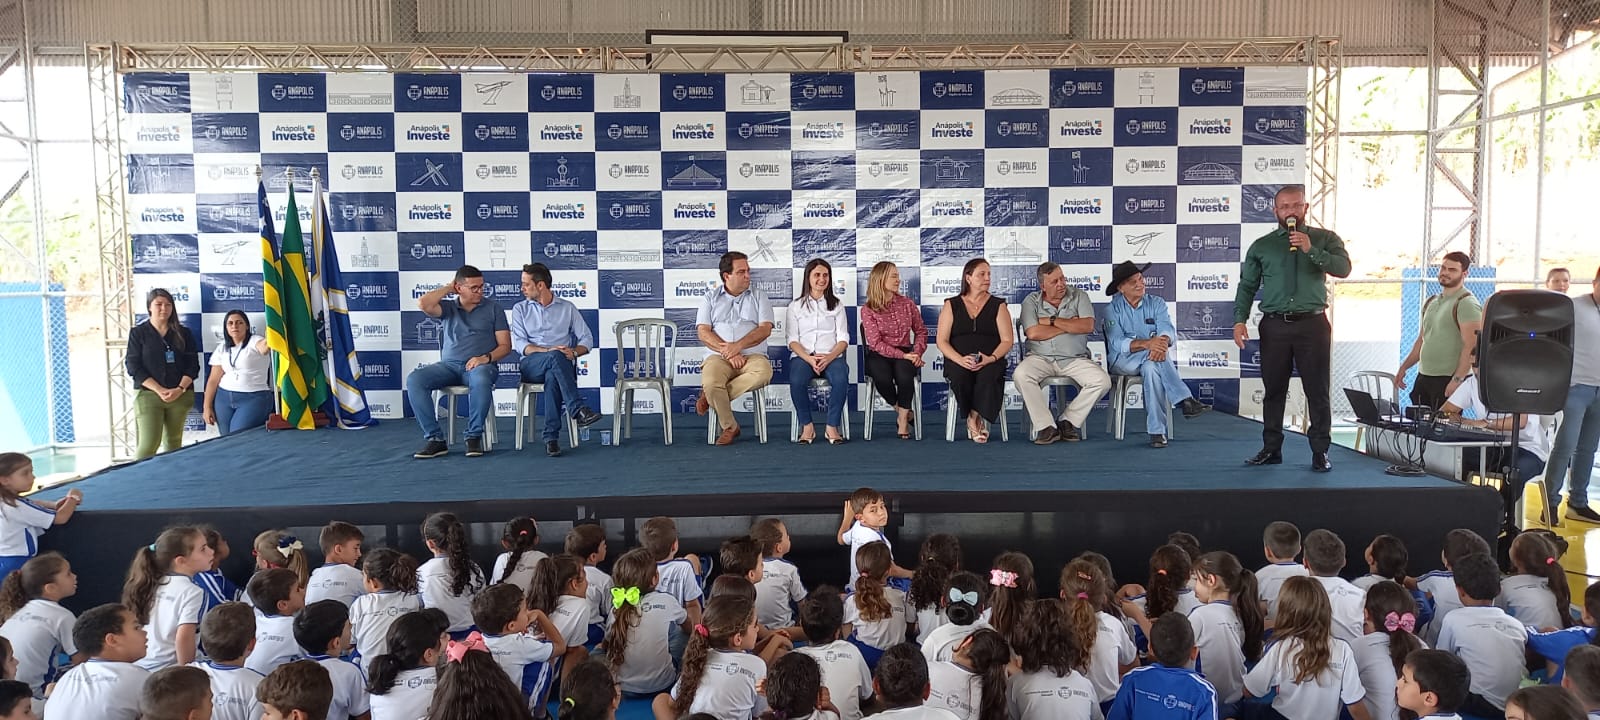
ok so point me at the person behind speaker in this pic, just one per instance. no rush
(1533, 447)
(1579, 434)
(1443, 349)
(1558, 280)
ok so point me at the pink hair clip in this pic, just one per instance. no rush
(1002, 578)
(1083, 596)
(1395, 621)
(702, 631)
(1549, 561)
(455, 651)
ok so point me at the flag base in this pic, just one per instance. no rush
(276, 421)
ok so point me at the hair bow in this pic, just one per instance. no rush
(702, 631)
(1083, 596)
(455, 651)
(1002, 578)
(289, 545)
(970, 598)
(620, 597)
(1396, 621)
(1549, 561)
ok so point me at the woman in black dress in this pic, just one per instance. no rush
(975, 333)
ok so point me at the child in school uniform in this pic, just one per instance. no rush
(794, 691)
(1432, 684)
(1228, 632)
(1386, 558)
(217, 587)
(1281, 545)
(176, 693)
(1011, 587)
(1313, 672)
(939, 557)
(1049, 683)
(279, 549)
(473, 687)
(1325, 558)
(741, 561)
(301, 690)
(1169, 590)
(22, 521)
(1537, 594)
(520, 538)
(720, 674)
(16, 701)
(278, 595)
(972, 683)
(338, 578)
(641, 620)
(1491, 642)
(678, 577)
(108, 684)
(1440, 585)
(779, 589)
(1553, 645)
(965, 607)
(865, 517)
(901, 684)
(590, 693)
(1390, 617)
(1166, 690)
(389, 578)
(506, 623)
(560, 591)
(451, 579)
(39, 628)
(161, 592)
(875, 610)
(401, 681)
(1582, 678)
(1544, 702)
(1101, 637)
(844, 673)
(322, 628)
(228, 633)
(587, 542)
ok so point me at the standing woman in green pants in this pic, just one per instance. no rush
(164, 360)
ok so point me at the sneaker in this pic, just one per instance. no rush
(1550, 516)
(474, 447)
(1582, 512)
(1067, 431)
(552, 448)
(433, 449)
(1193, 408)
(1158, 441)
(1047, 435)
(585, 417)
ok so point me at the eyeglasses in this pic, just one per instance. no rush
(473, 288)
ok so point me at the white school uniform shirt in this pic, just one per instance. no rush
(233, 691)
(1531, 437)
(940, 645)
(335, 581)
(1269, 580)
(519, 575)
(370, 618)
(779, 587)
(929, 619)
(1441, 586)
(1349, 605)
(646, 665)
(38, 632)
(178, 602)
(433, 584)
(882, 634)
(1113, 648)
(410, 697)
(844, 673)
(516, 651)
(98, 689)
(916, 712)
(1320, 699)
(677, 579)
(599, 594)
(349, 686)
(1043, 695)
(243, 369)
(956, 689)
(1377, 676)
(1492, 645)
(1220, 637)
(1528, 599)
(20, 527)
(571, 618)
(1365, 582)
(857, 536)
(275, 644)
(1187, 602)
(728, 686)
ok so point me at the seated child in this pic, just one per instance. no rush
(176, 693)
(110, 686)
(1166, 690)
(300, 690)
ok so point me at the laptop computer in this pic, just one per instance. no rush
(1369, 412)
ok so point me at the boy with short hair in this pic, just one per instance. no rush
(1582, 677)
(1325, 558)
(586, 541)
(16, 700)
(1166, 690)
(323, 630)
(1489, 641)
(228, 633)
(679, 577)
(338, 578)
(176, 693)
(844, 670)
(278, 595)
(865, 517)
(300, 690)
(1433, 683)
(742, 556)
(780, 587)
(505, 620)
(109, 687)
(1440, 585)
(1281, 544)
(901, 684)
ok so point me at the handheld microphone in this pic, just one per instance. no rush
(1290, 223)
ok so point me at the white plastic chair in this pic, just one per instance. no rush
(1378, 384)
(450, 393)
(869, 409)
(758, 396)
(1058, 383)
(647, 351)
(1117, 419)
(794, 417)
(527, 400)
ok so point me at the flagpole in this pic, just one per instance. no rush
(319, 236)
(277, 397)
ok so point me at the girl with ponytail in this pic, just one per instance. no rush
(402, 680)
(940, 556)
(39, 629)
(161, 593)
(473, 686)
(1011, 586)
(1048, 685)
(719, 673)
(1170, 568)
(589, 692)
(560, 589)
(1390, 620)
(1104, 644)
(636, 640)
(965, 607)
(1537, 595)
(279, 549)
(451, 579)
(1228, 628)
(876, 610)
(390, 579)
(520, 538)
(972, 684)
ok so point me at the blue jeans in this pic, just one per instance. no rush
(1575, 445)
(837, 374)
(428, 378)
(239, 411)
(560, 379)
(1163, 386)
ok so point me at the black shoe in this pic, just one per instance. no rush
(1047, 435)
(552, 448)
(1582, 512)
(585, 417)
(474, 447)
(1193, 408)
(433, 449)
(1319, 462)
(1266, 457)
(1067, 431)
(1158, 441)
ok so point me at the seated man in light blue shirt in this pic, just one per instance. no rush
(550, 335)
(475, 335)
(1139, 339)
(734, 322)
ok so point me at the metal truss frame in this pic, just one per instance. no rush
(1458, 140)
(116, 256)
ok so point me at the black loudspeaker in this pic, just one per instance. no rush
(1525, 352)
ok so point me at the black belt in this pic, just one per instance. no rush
(1294, 317)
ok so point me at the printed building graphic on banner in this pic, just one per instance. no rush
(629, 187)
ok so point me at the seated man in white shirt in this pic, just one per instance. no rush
(1533, 445)
(1057, 320)
(733, 323)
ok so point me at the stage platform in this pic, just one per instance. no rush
(1120, 498)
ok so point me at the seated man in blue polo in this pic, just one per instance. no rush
(550, 335)
(1139, 339)
(474, 334)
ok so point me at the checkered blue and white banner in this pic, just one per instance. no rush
(630, 186)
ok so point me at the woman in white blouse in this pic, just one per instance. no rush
(239, 391)
(818, 335)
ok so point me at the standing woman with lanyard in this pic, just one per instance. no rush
(239, 391)
(163, 360)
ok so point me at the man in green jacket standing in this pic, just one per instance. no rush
(1290, 266)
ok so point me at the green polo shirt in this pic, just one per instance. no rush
(1441, 333)
(1290, 282)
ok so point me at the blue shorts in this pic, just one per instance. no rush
(868, 653)
(459, 635)
(12, 563)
